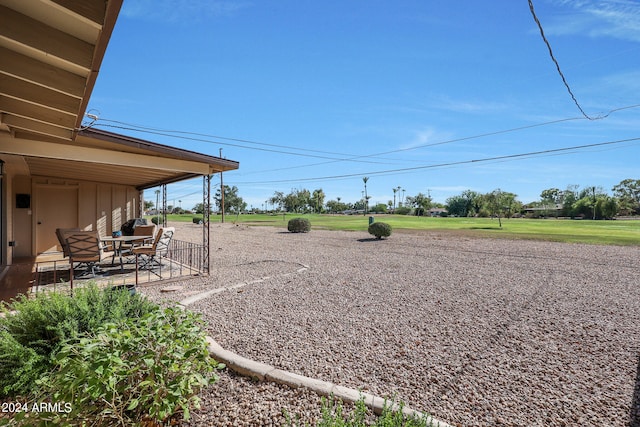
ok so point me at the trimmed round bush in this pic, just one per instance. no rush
(299, 225)
(380, 229)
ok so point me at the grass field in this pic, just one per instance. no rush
(616, 232)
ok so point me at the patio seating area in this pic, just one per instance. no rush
(52, 272)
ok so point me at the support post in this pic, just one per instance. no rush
(164, 205)
(140, 213)
(206, 219)
(221, 192)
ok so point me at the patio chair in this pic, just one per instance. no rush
(62, 233)
(85, 249)
(148, 256)
(141, 230)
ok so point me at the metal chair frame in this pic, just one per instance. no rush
(150, 254)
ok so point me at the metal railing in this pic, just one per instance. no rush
(182, 259)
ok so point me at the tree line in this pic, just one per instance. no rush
(592, 202)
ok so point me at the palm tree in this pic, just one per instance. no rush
(366, 198)
(395, 190)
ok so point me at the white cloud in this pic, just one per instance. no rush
(425, 137)
(469, 106)
(610, 18)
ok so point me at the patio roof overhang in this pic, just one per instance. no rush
(50, 55)
(102, 156)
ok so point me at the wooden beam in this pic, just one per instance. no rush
(25, 109)
(37, 127)
(43, 38)
(25, 147)
(93, 10)
(39, 95)
(26, 68)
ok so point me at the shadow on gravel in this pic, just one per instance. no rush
(634, 414)
(370, 239)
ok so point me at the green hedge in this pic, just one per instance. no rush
(380, 229)
(299, 225)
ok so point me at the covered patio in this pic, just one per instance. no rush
(48, 185)
(56, 172)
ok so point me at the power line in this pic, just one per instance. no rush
(440, 165)
(564, 80)
(465, 138)
(233, 145)
(354, 158)
(148, 129)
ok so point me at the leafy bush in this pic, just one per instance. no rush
(402, 210)
(155, 220)
(139, 371)
(197, 220)
(32, 335)
(333, 415)
(380, 229)
(299, 225)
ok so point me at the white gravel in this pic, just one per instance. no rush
(477, 332)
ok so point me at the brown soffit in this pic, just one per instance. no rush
(50, 55)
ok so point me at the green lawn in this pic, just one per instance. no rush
(617, 232)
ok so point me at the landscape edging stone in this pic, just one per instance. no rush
(263, 372)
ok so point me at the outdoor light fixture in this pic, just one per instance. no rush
(1, 167)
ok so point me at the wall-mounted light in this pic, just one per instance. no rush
(1, 167)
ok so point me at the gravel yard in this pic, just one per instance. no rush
(477, 332)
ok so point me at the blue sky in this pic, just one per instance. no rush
(431, 96)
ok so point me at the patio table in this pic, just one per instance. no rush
(117, 245)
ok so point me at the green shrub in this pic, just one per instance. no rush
(197, 220)
(334, 415)
(380, 229)
(402, 210)
(20, 365)
(299, 225)
(156, 220)
(141, 371)
(32, 335)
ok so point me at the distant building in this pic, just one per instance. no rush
(436, 212)
(552, 209)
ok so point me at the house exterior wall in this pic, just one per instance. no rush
(102, 207)
(21, 223)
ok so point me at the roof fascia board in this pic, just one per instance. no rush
(168, 181)
(111, 16)
(218, 163)
(26, 147)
